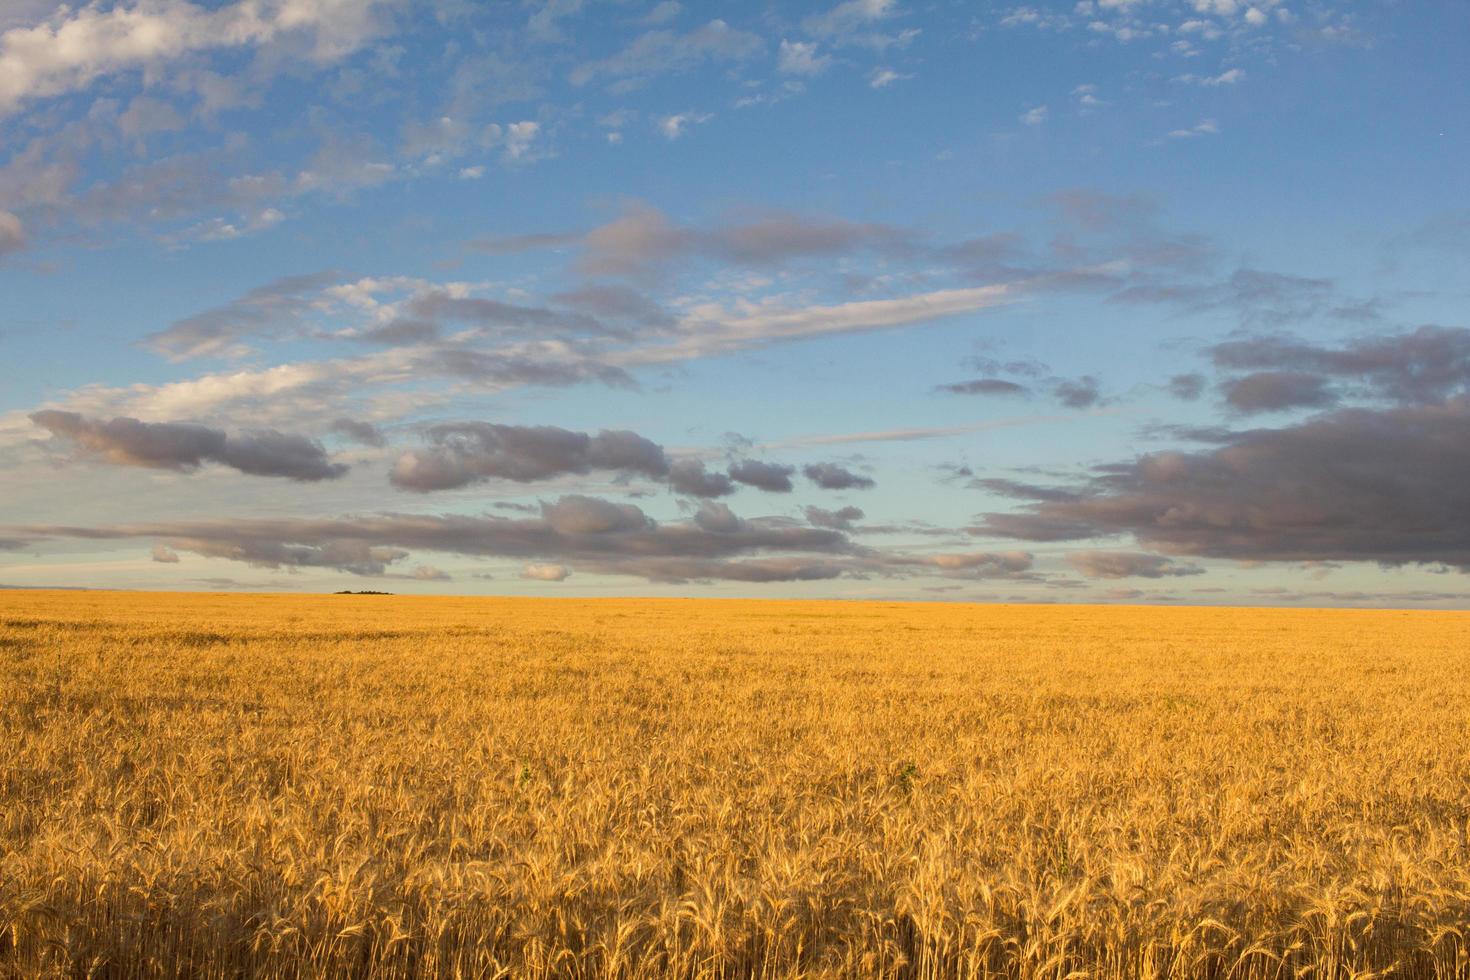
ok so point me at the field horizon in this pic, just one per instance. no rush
(735, 599)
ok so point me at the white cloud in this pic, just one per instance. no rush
(801, 58)
(710, 330)
(518, 138)
(884, 77)
(850, 16)
(12, 233)
(75, 47)
(1205, 127)
(546, 572)
(663, 12)
(673, 126)
(1230, 77)
(1035, 116)
(1086, 97)
(1220, 8)
(662, 51)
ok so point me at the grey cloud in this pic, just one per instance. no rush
(970, 565)
(165, 555)
(840, 519)
(462, 453)
(1077, 393)
(616, 302)
(718, 518)
(643, 240)
(770, 477)
(1276, 391)
(515, 244)
(1413, 367)
(271, 453)
(1187, 387)
(505, 319)
(689, 477)
(1354, 484)
(359, 431)
(985, 249)
(1020, 490)
(576, 514)
(267, 310)
(1099, 211)
(985, 386)
(186, 446)
(1257, 296)
(832, 476)
(1449, 231)
(573, 530)
(508, 369)
(756, 570)
(401, 332)
(1128, 564)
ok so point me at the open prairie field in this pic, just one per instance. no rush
(366, 786)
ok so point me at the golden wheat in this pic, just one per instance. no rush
(223, 786)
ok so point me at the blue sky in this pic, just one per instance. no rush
(1119, 300)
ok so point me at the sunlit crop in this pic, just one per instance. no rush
(377, 786)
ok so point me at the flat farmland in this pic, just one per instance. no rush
(387, 786)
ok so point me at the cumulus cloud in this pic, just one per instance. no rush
(770, 477)
(1128, 564)
(1353, 484)
(360, 431)
(545, 572)
(840, 519)
(165, 555)
(186, 446)
(1276, 391)
(719, 518)
(833, 476)
(690, 478)
(462, 453)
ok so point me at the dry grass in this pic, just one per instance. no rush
(396, 787)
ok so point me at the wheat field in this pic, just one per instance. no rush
(379, 786)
